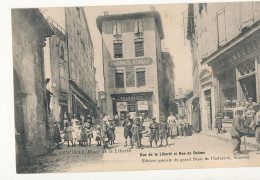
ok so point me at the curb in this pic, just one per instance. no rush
(251, 145)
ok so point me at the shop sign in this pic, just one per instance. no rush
(240, 53)
(130, 62)
(142, 105)
(131, 108)
(121, 106)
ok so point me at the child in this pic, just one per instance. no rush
(68, 134)
(154, 133)
(89, 131)
(98, 136)
(78, 135)
(84, 137)
(164, 130)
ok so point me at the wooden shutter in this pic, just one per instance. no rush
(114, 28)
(118, 26)
(139, 47)
(140, 76)
(135, 27)
(119, 77)
(221, 22)
(247, 12)
(140, 27)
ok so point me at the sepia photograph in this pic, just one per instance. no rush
(136, 87)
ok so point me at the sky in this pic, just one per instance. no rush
(174, 42)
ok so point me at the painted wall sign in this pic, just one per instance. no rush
(121, 106)
(130, 62)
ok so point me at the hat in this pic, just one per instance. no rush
(89, 117)
(127, 115)
(250, 98)
(154, 118)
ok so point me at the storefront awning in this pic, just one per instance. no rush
(84, 106)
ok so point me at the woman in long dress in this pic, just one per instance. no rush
(172, 126)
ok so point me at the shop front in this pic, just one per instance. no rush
(132, 103)
(236, 75)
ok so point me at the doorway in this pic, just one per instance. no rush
(20, 133)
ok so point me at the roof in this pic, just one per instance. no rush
(135, 15)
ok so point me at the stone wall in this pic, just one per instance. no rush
(29, 29)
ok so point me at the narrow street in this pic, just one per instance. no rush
(93, 158)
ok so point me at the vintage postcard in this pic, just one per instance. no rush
(144, 87)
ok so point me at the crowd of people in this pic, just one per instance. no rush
(80, 131)
(246, 120)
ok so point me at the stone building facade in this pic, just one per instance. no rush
(56, 65)
(82, 93)
(133, 63)
(224, 39)
(29, 30)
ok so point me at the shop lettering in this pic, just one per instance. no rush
(125, 98)
(245, 50)
(130, 62)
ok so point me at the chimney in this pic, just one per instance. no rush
(106, 13)
(152, 8)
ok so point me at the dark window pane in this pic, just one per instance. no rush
(140, 78)
(139, 49)
(119, 80)
(118, 52)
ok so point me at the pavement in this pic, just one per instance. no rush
(118, 157)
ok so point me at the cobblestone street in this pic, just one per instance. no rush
(93, 158)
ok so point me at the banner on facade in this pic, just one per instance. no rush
(121, 106)
(142, 105)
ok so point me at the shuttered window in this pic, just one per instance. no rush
(117, 28)
(139, 47)
(119, 77)
(140, 76)
(118, 50)
(138, 27)
(221, 24)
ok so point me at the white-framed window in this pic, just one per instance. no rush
(117, 28)
(221, 27)
(138, 27)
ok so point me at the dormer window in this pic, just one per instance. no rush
(138, 27)
(117, 28)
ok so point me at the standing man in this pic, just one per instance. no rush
(128, 123)
(164, 130)
(137, 132)
(238, 130)
(48, 93)
(219, 121)
(154, 132)
(257, 129)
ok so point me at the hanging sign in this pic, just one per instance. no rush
(142, 105)
(121, 106)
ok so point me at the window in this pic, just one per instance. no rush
(221, 25)
(140, 76)
(139, 47)
(118, 50)
(247, 13)
(138, 27)
(203, 38)
(119, 78)
(116, 28)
